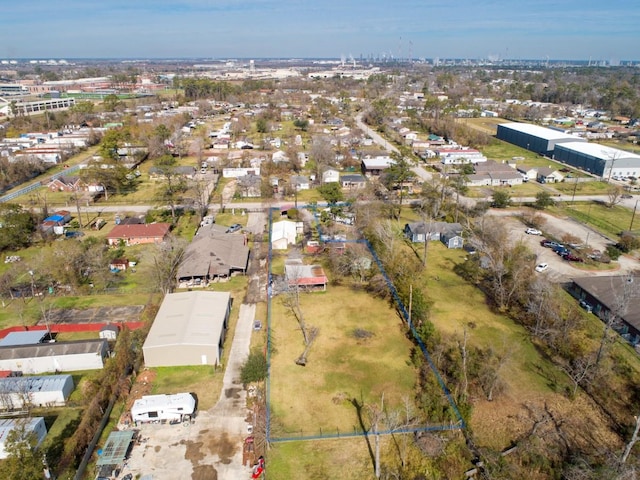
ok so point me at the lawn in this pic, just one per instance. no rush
(341, 367)
(609, 221)
(203, 380)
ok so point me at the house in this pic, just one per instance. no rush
(548, 175)
(353, 181)
(300, 182)
(330, 175)
(448, 233)
(64, 184)
(528, 173)
(285, 233)
(212, 255)
(617, 295)
(250, 186)
(118, 265)
(279, 157)
(138, 234)
(459, 156)
(189, 329)
(374, 166)
(185, 171)
(307, 277)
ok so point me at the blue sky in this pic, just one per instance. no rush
(514, 29)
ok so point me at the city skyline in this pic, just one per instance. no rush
(496, 29)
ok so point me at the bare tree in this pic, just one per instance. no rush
(632, 442)
(291, 300)
(614, 195)
(166, 261)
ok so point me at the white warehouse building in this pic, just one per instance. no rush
(54, 357)
(20, 392)
(35, 425)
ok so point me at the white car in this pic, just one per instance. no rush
(533, 231)
(541, 267)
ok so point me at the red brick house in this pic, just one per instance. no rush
(138, 234)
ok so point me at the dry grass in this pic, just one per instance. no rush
(340, 366)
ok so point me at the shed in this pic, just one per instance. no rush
(41, 391)
(35, 425)
(189, 329)
(109, 332)
(23, 338)
(115, 450)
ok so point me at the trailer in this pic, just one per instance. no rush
(176, 408)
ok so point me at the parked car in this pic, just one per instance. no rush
(533, 231)
(234, 228)
(549, 243)
(570, 257)
(541, 267)
(626, 195)
(257, 325)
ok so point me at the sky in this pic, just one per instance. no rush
(138, 29)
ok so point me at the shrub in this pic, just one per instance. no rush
(613, 252)
(255, 368)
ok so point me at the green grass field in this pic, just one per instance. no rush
(610, 221)
(341, 367)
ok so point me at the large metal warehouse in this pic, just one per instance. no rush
(49, 390)
(533, 137)
(54, 357)
(189, 329)
(600, 160)
(34, 424)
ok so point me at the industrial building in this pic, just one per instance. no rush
(20, 392)
(534, 138)
(54, 357)
(35, 425)
(189, 329)
(600, 160)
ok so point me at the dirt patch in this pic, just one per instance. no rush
(142, 386)
(232, 393)
(204, 472)
(223, 447)
(193, 452)
(157, 448)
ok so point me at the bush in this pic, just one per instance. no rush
(255, 368)
(628, 243)
(613, 252)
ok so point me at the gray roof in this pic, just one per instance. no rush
(353, 178)
(211, 253)
(189, 318)
(23, 338)
(542, 132)
(435, 227)
(610, 291)
(52, 349)
(45, 383)
(622, 158)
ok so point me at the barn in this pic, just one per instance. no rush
(54, 357)
(606, 162)
(35, 425)
(49, 390)
(533, 137)
(189, 329)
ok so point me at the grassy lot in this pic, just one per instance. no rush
(609, 221)
(203, 380)
(581, 188)
(484, 124)
(340, 366)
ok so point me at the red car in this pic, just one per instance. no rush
(572, 258)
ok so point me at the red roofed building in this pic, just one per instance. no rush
(308, 277)
(138, 234)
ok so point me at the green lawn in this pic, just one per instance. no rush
(609, 221)
(198, 379)
(341, 367)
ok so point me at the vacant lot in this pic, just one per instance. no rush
(360, 353)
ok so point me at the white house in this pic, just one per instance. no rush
(163, 408)
(284, 233)
(330, 175)
(300, 182)
(239, 172)
(279, 157)
(48, 390)
(457, 156)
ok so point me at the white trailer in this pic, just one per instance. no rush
(162, 408)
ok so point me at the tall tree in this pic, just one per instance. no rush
(397, 175)
(16, 227)
(24, 460)
(172, 183)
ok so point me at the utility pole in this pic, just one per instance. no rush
(633, 215)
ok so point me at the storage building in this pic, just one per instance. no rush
(189, 329)
(533, 137)
(54, 357)
(606, 162)
(49, 390)
(35, 425)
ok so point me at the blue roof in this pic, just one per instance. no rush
(23, 338)
(54, 218)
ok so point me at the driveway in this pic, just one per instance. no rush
(211, 447)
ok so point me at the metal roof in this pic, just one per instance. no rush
(538, 131)
(115, 449)
(23, 338)
(50, 349)
(45, 383)
(189, 318)
(601, 152)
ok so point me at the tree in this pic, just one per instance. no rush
(331, 192)
(254, 368)
(543, 200)
(24, 460)
(108, 173)
(301, 124)
(166, 260)
(614, 196)
(501, 199)
(111, 102)
(173, 183)
(16, 227)
(397, 174)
